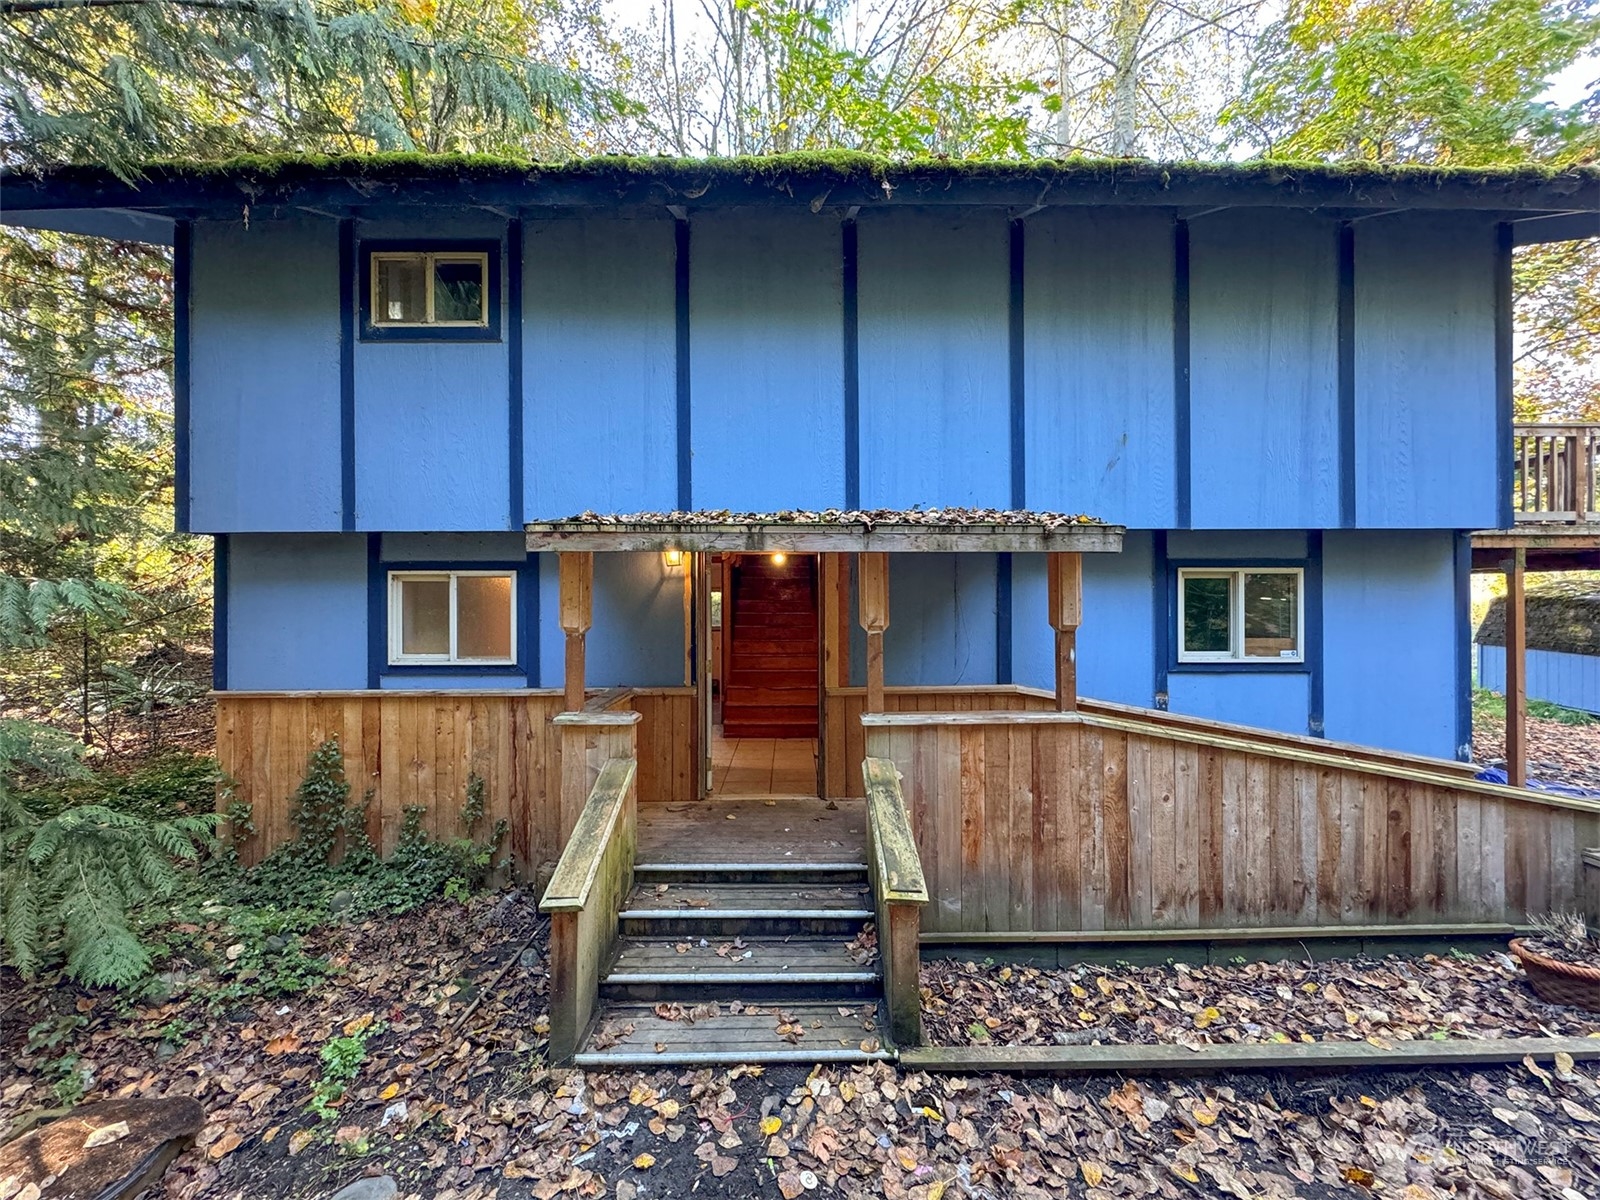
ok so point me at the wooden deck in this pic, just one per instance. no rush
(763, 766)
(754, 830)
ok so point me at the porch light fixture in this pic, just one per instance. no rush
(673, 558)
(779, 559)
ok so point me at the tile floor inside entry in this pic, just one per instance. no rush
(763, 766)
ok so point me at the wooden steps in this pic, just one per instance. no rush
(771, 618)
(753, 962)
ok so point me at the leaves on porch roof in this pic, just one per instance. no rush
(866, 518)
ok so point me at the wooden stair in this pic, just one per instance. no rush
(771, 686)
(722, 963)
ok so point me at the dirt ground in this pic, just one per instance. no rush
(453, 1098)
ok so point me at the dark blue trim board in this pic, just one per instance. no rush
(347, 373)
(1182, 425)
(1503, 351)
(1017, 367)
(377, 611)
(219, 612)
(1003, 617)
(1161, 631)
(1347, 375)
(852, 364)
(489, 332)
(1463, 566)
(527, 649)
(182, 290)
(685, 413)
(1315, 725)
(514, 367)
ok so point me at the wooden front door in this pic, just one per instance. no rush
(769, 622)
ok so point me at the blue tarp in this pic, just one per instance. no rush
(1498, 775)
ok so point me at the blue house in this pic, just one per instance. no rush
(764, 461)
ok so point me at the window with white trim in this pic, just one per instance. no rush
(1244, 614)
(466, 617)
(431, 290)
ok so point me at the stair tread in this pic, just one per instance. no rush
(691, 899)
(798, 958)
(630, 1033)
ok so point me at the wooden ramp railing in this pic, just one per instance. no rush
(1554, 472)
(583, 898)
(898, 893)
(1076, 826)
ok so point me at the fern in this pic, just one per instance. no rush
(69, 879)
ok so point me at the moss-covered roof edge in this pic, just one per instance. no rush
(815, 178)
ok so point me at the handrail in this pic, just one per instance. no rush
(894, 848)
(1554, 471)
(568, 889)
(899, 892)
(584, 898)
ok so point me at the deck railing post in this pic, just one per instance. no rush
(873, 607)
(1516, 670)
(899, 892)
(1065, 575)
(577, 613)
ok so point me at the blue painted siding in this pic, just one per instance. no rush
(1116, 654)
(1389, 632)
(297, 612)
(599, 367)
(934, 360)
(638, 634)
(264, 376)
(431, 419)
(1240, 545)
(766, 333)
(941, 620)
(1098, 338)
(1572, 680)
(1278, 701)
(464, 548)
(423, 682)
(1264, 389)
(1426, 420)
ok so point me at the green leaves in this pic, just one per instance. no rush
(1452, 82)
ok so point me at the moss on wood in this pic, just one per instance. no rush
(1563, 616)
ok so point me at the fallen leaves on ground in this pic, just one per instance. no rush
(1362, 999)
(1557, 753)
(471, 1112)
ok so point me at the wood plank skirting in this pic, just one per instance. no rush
(420, 747)
(1046, 822)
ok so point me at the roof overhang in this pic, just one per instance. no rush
(1544, 205)
(766, 537)
(1545, 547)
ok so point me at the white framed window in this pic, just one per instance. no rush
(467, 617)
(417, 289)
(1241, 614)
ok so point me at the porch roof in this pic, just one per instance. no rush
(832, 531)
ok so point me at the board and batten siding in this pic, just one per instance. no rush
(710, 360)
(1571, 680)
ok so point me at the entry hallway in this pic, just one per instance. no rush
(763, 766)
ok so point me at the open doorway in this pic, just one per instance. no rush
(765, 674)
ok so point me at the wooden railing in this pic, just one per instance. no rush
(584, 896)
(898, 892)
(1553, 472)
(1045, 826)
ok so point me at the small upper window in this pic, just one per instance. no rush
(430, 290)
(452, 617)
(1251, 614)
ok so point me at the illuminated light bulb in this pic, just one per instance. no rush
(779, 559)
(674, 558)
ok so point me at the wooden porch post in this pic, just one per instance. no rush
(873, 602)
(1065, 574)
(1517, 670)
(577, 612)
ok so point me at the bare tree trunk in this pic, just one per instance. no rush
(1126, 32)
(1063, 121)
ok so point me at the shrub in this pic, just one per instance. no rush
(74, 862)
